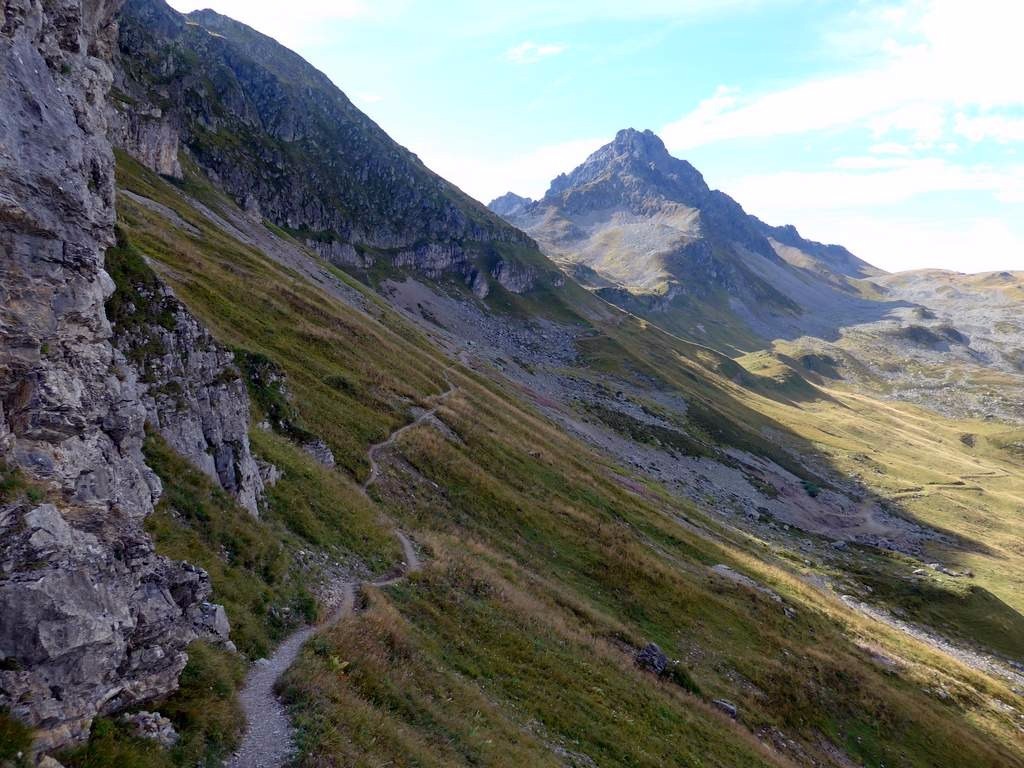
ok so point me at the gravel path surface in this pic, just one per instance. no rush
(268, 741)
(410, 564)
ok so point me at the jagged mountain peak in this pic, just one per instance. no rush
(647, 223)
(509, 204)
(634, 170)
(645, 143)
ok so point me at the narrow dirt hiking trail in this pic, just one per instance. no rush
(425, 416)
(410, 564)
(269, 741)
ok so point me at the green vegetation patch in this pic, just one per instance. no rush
(463, 673)
(253, 572)
(15, 739)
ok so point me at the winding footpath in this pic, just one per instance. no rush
(269, 741)
(376, 448)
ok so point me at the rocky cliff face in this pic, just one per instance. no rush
(193, 394)
(323, 169)
(71, 408)
(93, 619)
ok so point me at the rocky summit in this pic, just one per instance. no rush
(645, 231)
(308, 458)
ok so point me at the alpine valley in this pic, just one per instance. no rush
(307, 458)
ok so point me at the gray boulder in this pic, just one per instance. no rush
(728, 707)
(651, 658)
(152, 725)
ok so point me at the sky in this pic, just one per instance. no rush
(893, 128)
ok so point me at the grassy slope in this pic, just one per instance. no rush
(545, 571)
(956, 476)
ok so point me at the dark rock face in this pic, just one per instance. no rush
(72, 410)
(92, 619)
(651, 658)
(279, 137)
(148, 136)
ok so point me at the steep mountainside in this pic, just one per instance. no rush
(644, 230)
(323, 170)
(585, 487)
(956, 346)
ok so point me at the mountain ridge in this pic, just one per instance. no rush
(629, 548)
(325, 171)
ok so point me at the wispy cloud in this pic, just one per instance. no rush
(934, 58)
(490, 18)
(867, 203)
(530, 53)
(968, 243)
(874, 182)
(916, 79)
(999, 127)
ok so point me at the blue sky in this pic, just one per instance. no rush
(894, 128)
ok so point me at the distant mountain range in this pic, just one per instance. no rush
(645, 231)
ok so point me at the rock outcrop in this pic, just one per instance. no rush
(93, 620)
(152, 725)
(146, 134)
(193, 394)
(652, 658)
(72, 412)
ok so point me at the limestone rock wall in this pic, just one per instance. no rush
(93, 620)
(193, 394)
